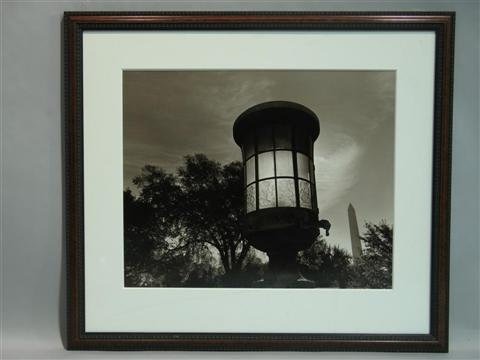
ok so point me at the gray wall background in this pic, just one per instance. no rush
(32, 268)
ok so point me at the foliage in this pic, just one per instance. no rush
(326, 265)
(212, 208)
(176, 222)
(374, 268)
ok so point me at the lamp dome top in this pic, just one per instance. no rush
(276, 111)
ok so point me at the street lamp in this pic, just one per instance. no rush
(281, 213)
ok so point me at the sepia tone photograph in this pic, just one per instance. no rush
(258, 178)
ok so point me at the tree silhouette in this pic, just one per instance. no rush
(150, 227)
(212, 208)
(176, 221)
(328, 266)
(374, 268)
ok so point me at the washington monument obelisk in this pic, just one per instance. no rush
(354, 233)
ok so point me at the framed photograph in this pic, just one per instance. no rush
(258, 181)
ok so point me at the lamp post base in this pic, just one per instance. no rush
(283, 272)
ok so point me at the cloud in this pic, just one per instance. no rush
(336, 172)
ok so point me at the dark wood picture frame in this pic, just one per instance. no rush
(441, 23)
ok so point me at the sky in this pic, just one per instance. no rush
(170, 114)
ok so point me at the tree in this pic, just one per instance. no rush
(150, 226)
(177, 220)
(213, 208)
(327, 265)
(374, 268)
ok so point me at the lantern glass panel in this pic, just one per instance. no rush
(264, 138)
(286, 192)
(303, 164)
(304, 194)
(250, 170)
(284, 162)
(312, 172)
(251, 198)
(265, 165)
(313, 187)
(283, 136)
(248, 146)
(266, 194)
